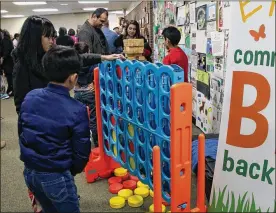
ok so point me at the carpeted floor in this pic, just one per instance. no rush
(14, 197)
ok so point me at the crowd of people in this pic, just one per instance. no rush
(41, 67)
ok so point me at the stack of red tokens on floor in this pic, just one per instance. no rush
(114, 180)
(136, 179)
(130, 184)
(115, 188)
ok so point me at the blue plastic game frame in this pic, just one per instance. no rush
(135, 109)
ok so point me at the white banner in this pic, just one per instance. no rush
(244, 179)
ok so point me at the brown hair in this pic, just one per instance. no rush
(135, 23)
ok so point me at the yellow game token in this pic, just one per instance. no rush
(151, 208)
(142, 191)
(130, 130)
(125, 193)
(132, 163)
(140, 184)
(114, 136)
(120, 172)
(115, 150)
(151, 193)
(117, 202)
(135, 201)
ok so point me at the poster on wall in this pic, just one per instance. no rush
(201, 17)
(217, 43)
(211, 12)
(192, 13)
(181, 16)
(244, 179)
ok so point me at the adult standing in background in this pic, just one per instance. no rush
(7, 64)
(91, 32)
(110, 37)
(72, 34)
(15, 40)
(63, 39)
(117, 30)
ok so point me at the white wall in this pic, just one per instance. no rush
(13, 25)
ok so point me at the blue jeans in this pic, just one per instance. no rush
(56, 192)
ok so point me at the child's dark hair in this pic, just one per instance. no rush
(81, 47)
(173, 34)
(60, 62)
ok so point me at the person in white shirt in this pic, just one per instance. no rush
(15, 40)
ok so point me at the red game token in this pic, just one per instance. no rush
(131, 177)
(125, 177)
(114, 180)
(115, 188)
(130, 184)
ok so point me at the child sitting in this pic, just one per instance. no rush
(175, 55)
(54, 134)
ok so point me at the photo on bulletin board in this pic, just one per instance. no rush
(201, 64)
(181, 18)
(181, 30)
(211, 12)
(219, 14)
(187, 27)
(201, 17)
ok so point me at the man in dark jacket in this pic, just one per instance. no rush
(91, 32)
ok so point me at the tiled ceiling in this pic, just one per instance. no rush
(62, 6)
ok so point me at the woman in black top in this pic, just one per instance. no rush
(36, 37)
(132, 31)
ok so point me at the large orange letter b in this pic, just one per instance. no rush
(237, 111)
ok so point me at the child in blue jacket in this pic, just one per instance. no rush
(54, 134)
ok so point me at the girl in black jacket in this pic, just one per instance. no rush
(36, 37)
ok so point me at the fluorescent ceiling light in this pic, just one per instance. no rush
(4, 11)
(12, 16)
(93, 2)
(21, 3)
(91, 8)
(63, 4)
(46, 10)
(119, 12)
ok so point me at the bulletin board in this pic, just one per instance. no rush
(204, 26)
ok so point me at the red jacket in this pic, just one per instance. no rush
(177, 56)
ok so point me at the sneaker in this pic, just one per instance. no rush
(3, 144)
(4, 96)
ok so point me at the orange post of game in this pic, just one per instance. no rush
(201, 174)
(181, 139)
(157, 198)
(102, 165)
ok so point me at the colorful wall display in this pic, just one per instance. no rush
(204, 26)
(246, 148)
